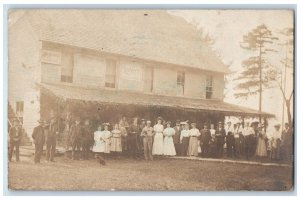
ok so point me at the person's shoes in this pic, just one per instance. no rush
(52, 160)
(46, 161)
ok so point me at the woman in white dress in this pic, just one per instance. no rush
(98, 147)
(106, 138)
(158, 143)
(193, 143)
(169, 148)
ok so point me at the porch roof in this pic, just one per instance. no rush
(117, 97)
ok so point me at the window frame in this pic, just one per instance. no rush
(111, 85)
(209, 87)
(180, 81)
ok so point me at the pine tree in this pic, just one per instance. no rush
(252, 79)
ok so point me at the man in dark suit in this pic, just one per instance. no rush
(176, 138)
(132, 138)
(51, 137)
(87, 139)
(220, 139)
(15, 136)
(38, 136)
(205, 138)
(76, 133)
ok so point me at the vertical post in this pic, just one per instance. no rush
(260, 83)
(243, 121)
(265, 124)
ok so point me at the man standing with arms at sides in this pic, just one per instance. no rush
(176, 138)
(51, 140)
(236, 135)
(132, 138)
(287, 142)
(275, 143)
(38, 137)
(76, 138)
(87, 139)
(229, 140)
(248, 133)
(205, 138)
(140, 138)
(147, 135)
(220, 139)
(15, 136)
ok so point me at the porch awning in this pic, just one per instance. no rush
(107, 96)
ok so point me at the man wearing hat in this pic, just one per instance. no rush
(147, 135)
(205, 138)
(15, 136)
(220, 139)
(38, 137)
(51, 137)
(176, 137)
(76, 133)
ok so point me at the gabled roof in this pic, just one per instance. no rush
(115, 97)
(152, 35)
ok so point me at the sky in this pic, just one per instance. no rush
(227, 27)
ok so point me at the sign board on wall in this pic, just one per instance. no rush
(52, 57)
(131, 71)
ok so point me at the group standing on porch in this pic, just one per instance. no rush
(143, 137)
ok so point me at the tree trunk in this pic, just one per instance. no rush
(260, 83)
(289, 115)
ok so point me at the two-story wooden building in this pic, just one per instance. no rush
(108, 63)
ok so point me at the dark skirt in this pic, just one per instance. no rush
(185, 145)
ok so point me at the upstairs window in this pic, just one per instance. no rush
(180, 82)
(110, 75)
(209, 87)
(148, 79)
(67, 69)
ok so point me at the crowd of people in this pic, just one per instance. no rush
(148, 139)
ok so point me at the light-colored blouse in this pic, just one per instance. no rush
(184, 133)
(169, 132)
(158, 128)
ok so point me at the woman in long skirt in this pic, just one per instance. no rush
(261, 149)
(158, 143)
(116, 144)
(169, 148)
(184, 139)
(98, 147)
(193, 143)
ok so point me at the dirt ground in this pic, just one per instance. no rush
(160, 174)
